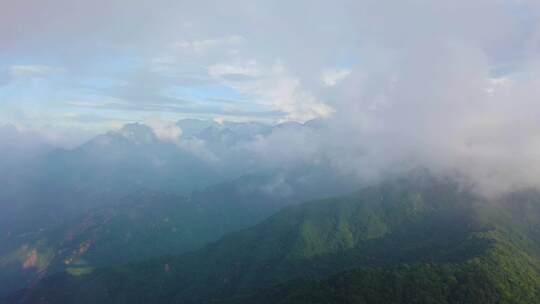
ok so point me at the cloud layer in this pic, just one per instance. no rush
(452, 85)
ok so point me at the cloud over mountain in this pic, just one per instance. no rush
(451, 86)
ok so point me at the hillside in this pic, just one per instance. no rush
(503, 275)
(148, 224)
(143, 225)
(405, 228)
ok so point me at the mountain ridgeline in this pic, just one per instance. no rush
(128, 195)
(47, 185)
(413, 239)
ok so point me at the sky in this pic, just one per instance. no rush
(448, 83)
(75, 64)
(83, 65)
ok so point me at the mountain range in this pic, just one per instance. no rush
(111, 166)
(106, 202)
(130, 217)
(412, 239)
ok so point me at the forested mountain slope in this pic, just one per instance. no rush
(147, 224)
(408, 239)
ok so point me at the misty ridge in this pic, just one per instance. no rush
(270, 152)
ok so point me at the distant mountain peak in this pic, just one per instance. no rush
(138, 133)
(132, 133)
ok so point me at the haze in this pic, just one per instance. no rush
(219, 106)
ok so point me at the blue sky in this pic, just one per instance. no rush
(85, 67)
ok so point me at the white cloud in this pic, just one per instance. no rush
(416, 81)
(30, 71)
(497, 83)
(249, 69)
(99, 103)
(201, 47)
(165, 130)
(276, 88)
(331, 77)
